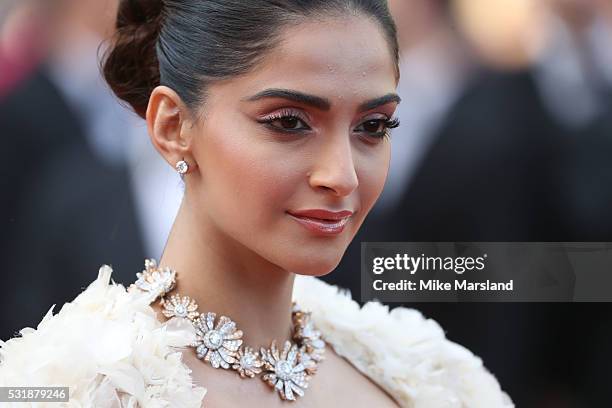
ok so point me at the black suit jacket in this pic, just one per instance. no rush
(68, 211)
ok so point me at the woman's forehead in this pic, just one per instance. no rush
(347, 58)
(348, 44)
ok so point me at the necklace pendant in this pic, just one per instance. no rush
(217, 344)
(284, 372)
(312, 345)
(178, 306)
(249, 364)
(155, 280)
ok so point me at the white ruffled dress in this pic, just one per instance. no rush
(108, 346)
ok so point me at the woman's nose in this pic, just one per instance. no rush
(334, 168)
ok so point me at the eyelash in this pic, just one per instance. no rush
(288, 114)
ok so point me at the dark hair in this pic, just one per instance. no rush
(186, 44)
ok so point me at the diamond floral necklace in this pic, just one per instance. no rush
(220, 343)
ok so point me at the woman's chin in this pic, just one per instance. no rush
(315, 267)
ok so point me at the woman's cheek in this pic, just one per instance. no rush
(261, 185)
(372, 175)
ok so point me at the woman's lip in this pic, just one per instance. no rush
(322, 214)
(320, 226)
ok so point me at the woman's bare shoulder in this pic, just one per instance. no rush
(348, 386)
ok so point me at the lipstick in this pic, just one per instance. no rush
(321, 221)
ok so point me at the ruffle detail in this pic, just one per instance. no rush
(406, 354)
(108, 347)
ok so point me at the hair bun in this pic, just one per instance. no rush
(130, 65)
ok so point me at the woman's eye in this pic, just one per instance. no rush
(374, 126)
(378, 128)
(289, 123)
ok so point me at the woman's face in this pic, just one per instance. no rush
(301, 131)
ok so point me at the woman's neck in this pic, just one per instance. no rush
(226, 278)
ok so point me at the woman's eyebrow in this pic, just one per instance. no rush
(383, 100)
(300, 97)
(317, 101)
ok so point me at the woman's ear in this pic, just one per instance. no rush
(168, 122)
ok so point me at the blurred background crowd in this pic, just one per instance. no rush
(506, 135)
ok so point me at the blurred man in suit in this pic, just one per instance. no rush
(68, 207)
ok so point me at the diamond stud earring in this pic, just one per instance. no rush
(182, 167)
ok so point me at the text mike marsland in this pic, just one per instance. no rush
(437, 285)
